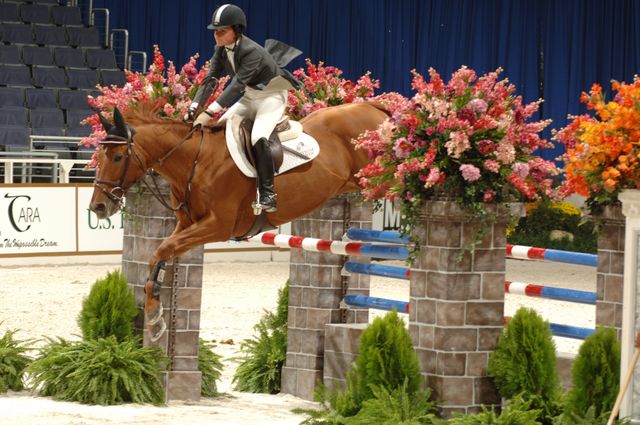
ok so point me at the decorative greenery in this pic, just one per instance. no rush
(467, 139)
(602, 150)
(517, 412)
(524, 362)
(589, 418)
(596, 374)
(544, 217)
(13, 362)
(260, 367)
(109, 309)
(99, 371)
(210, 364)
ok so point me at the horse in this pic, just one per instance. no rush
(211, 197)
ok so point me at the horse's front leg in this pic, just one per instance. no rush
(180, 241)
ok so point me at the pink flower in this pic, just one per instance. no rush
(478, 106)
(485, 147)
(505, 153)
(402, 148)
(433, 177)
(521, 169)
(470, 172)
(458, 143)
(168, 109)
(178, 90)
(489, 195)
(491, 165)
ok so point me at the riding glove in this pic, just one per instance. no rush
(207, 114)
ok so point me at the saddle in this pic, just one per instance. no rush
(281, 133)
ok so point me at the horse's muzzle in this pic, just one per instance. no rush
(103, 210)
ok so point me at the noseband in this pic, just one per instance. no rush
(118, 191)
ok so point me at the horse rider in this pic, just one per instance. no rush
(258, 76)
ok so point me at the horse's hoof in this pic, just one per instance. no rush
(154, 315)
(156, 330)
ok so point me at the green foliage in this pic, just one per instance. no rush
(536, 227)
(99, 371)
(109, 309)
(260, 367)
(396, 407)
(210, 364)
(589, 418)
(596, 374)
(13, 362)
(525, 362)
(517, 412)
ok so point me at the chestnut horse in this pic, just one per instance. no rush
(210, 195)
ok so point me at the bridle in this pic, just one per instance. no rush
(118, 191)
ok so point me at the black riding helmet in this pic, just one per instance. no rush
(228, 15)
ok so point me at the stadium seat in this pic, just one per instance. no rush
(11, 96)
(75, 116)
(78, 78)
(47, 118)
(73, 99)
(68, 57)
(10, 54)
(82, 131)
(110, 76)
(65, 15)
(15, 75)
(49, 77)
(14, 115)
(48, 131)
(34, 55)
(17, 33)
(41, 98)
(50, 2)
(35, 13)
(14, 137)
(101, 58)
(9, 12)
(50, 35)
(83, 37)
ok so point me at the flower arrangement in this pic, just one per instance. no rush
(467, 138)
(603, 150)
(324, 86)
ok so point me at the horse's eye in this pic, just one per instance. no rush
(117, 157)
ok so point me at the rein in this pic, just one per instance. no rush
(155, 191)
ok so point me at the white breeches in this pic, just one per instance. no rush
(265, 108)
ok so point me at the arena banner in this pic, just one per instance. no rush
(37, 219)
(96, 234)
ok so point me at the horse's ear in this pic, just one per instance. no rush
(105, 124)
(118, 119)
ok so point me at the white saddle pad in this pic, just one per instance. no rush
(304, 145)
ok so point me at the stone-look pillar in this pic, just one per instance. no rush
(316, 288)
(147, 224)
(631, 311)
(457, 304)
(610, 268)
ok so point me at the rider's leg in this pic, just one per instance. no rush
(268, 111)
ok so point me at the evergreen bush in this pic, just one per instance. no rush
(109, 309)
(517, 412)
(260, 367)
(210, 364)
(525, 362)
(99, 371)
(13, 362)
(596, 374)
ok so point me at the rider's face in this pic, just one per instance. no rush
(224, 36)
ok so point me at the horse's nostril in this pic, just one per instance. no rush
(99, 207)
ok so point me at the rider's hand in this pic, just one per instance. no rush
(189, 115)
(203, 119)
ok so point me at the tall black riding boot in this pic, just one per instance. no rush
(265, 169)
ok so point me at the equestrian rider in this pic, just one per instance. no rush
(257, 76)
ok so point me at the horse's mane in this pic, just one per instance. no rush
(148, 113)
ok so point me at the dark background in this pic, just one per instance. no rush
(553, 49)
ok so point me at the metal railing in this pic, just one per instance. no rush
(103, 29)
(119, 43)
(137, 65)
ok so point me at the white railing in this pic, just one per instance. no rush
(60, 174)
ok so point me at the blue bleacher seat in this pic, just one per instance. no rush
(110, 76)
(35, 13)
(69, 57)
(47, 131)
(51, 77)
(14, 137)
(9, 12)
(35, 55)
(10, 54)
(82, 131)
(73, 99)
(47, 118)
(65, 15)
(14, 115)
(50, 2)
(101, 58)
(50, 35)
(41, 98)
(75, 116)
(78, 78)
(15, 75)
(83, 37)
(17, 33)
(11, 96)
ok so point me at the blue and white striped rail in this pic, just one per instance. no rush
(518, 288)
(363, 301)
(532, 253)
(367, 235)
